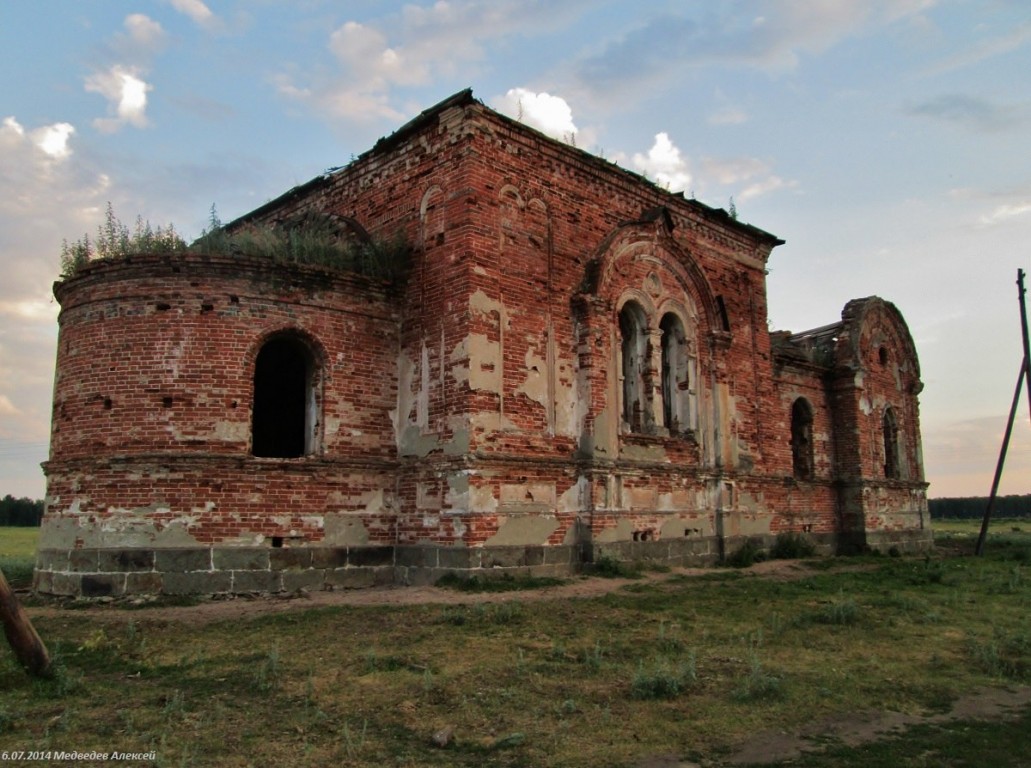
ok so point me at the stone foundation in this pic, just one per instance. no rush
(208, 571)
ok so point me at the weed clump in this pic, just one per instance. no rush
(504, 583)
(609, 568)
(115, 240)
(759, 685)
(663, 679)
(314, 240)
(750, 553)
(792, 546)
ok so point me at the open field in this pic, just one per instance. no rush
(709, 668)
(18, 553)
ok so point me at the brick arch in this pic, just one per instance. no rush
(431, 216)
(313, 382)
(651, 240)
(873, 323)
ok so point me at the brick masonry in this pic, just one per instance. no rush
(474, 417)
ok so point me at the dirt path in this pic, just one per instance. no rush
(243, 607)
(863, 727)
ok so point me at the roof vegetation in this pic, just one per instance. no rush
(315, 240)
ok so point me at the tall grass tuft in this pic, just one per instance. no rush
(664, 679)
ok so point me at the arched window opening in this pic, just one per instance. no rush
(802, 439)
(678, 386)
(284, 414)
(633, 329)
(890, 428)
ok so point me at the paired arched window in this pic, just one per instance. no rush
(633, 329)
(802, 439)
(676, 373)
(285, 411)
(678, 377)
(890, 430)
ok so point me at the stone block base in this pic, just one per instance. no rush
(242, 570)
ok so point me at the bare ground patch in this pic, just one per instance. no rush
(858, 728)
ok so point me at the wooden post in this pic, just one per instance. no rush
(1023, 378)
(1002, 460)
(21, 634)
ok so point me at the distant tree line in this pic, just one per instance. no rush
(974, 506)
(22, 512)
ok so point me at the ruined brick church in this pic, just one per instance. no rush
(576, 365)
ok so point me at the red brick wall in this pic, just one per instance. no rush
(480, 405)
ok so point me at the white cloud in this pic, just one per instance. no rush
(549, 114)
(419, 45)
(748, 177)
(196, 10)
(53, 139)
(53, 193)
(126, 93)
(144, 31)
(664, 164)
(1005, 212)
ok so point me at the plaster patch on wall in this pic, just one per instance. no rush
(690, 527)
(428, 496)
(375, 502)
(535, 385)
(343, 530)
(623, 530)
(422, 400)
(540, 495)
(491, 421)
(414, 442)
(456, 497)
(574, 498)
(400, 417)
(522, 530)
(485, 305)
(483, 369)
(332, 426)
(125, 532)
(738, 523)
(643, 498)
(481, 500)
(231, 431)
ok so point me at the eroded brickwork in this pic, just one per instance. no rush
(577, 365)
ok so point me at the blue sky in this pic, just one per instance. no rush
(887, 141)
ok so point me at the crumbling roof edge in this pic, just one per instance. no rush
(465, 98)
(414, 125)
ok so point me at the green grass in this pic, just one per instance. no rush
(18, 554)
(18, 542)
(504, 583)
(679, 666)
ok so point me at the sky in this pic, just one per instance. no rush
(887, 141)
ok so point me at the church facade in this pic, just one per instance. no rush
(576, 364)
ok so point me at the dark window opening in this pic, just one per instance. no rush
(675, 375)
(282, 424)
(891, 445)
(802, 439)
(634, 348)
(721, 307)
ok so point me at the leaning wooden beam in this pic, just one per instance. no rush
(21, 634)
